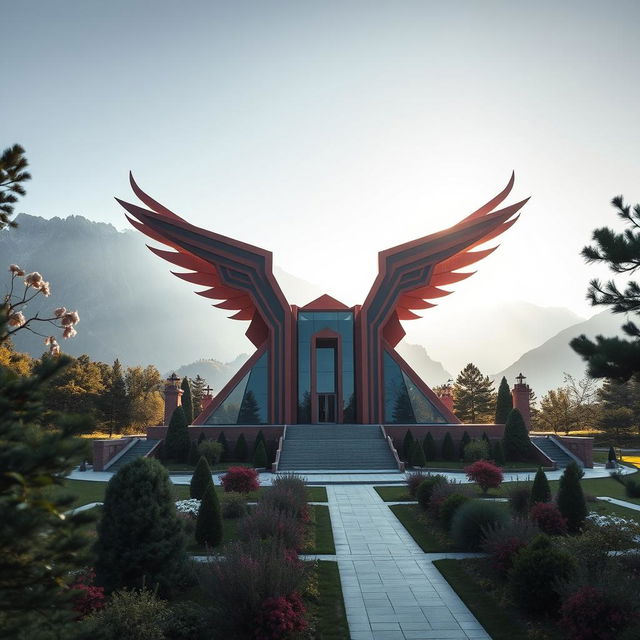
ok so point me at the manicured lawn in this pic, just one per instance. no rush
(317, 494)
(429, 540)
(607, 509)
(323, 532)
(330, 615)
(394, 494)
(438, 465)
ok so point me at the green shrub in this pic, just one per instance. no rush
(442, 492)
(464, 441)
(201, 437)
(498, 453)
(417, 455)
(612, 455)
(194, 456)
(222, 439)
(476, 450)
(260, 456)
(209, 523)
(540, 491)
(516, 443)
(470, 520)
(211, 451)
(519, 496)
(537, 571)
(233, 505)
(426, 487)
(407, 446)
(258, 440)
(429, 448)
(200, 479)
(502, 542)
(448, 448)
(241, 450)
(414, 480)
(176, 442)
(570, 498)
(449, 507)
(187, 621)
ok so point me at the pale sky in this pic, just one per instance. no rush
(327, 131)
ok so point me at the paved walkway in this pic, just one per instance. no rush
(391, 589)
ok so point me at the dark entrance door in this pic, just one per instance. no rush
(326, 382)
(326, 407)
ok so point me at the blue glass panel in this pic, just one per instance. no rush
(397, 404)
(255, 403)
(227, 412)
(423, 409)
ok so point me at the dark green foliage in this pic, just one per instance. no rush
(187, 400)
(114, 401)
(473, 396)
(448, 448)
(241, 450)
(209, 524)
(516, 443)
(407, 446)
(504, 402)
(471, 519)
(520, 499)
(233, 505)
(193, 453)
(225, 447)
(176, 442)
(140, 539)
(540, 491)
(449, 507)
(632, 488)
(417, 454)
(498, 453)
(200, 479)
(260, 456)
(12, 173)
(537, 570)
(198, 386)
(201, 437)
(249, 409)
(485, 438)
(187, 621)
(612, 455)
(429, 448)
(464, 441)
(426, 488)
(38, 548)
(258, 440)
(476, 450)
(570, 497)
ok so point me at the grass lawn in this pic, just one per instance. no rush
(323, 533)
(607, 509)
(394, 494)
(331, 618)
(428, 538)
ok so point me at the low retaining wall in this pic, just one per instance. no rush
(419, 431)
(104, 450)
(580, 447)
(231, 432)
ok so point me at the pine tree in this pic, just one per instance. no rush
(115, 400)
(12, 173)
(200, 479)
(222, 439)
(516, 443)
(448, 448)
(571, 500)
(540, 490)
(504, 402)
(614, 358)
(140, 539)
(198, 385)
(187, 401)
(464, 441)
(498, 453)
(176, 443)
(417, 454)
(473, 396)
(407, 446)
(429, 448)
(260, 456)
(403, 409)
(241, 450)
(209, 524)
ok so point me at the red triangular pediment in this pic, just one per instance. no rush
(325, 303)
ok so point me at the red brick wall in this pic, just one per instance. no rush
(580, 447)
(104, 450)
(475, 431)
(231, 432)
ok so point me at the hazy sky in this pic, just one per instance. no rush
(327, 131)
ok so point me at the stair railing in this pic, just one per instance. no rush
(276, 463)
(394, 453)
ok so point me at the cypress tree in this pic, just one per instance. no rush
(571, 500)
(516, 443)
(612, 455)
(225, 447)
(200, 479)
(140, 539)
(498, 453)
(540, 490)
(464, 441)
(448, 448)
(429, 448)
(176, 443)
(407, 445)
(241, 450)
(258, 440)
(260, 456)
(209, 523)
(187, 401)
(417, 454)
(504, 402)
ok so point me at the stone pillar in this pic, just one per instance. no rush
(172, 397)
(520, 395)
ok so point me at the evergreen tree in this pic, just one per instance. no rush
(115, 401)
(619, 413)
(429, 448)
(260, 456)
(540, 490)
(187, 401)
(504, 402)
(614, 358)
(176, 443)
(448, 448)
(516, 443)
(12, 174)
(473, 396)
(200, 479)
(194, 454)
(417, 454)
(485, 438)
(222, 439)
(201, 437)
(241, 450)
(140, 539)
(198, 385)
(612, 455)
(498, 453)
(464, 441)
(407, 446)
(403, 409)
(249, 409)
(209, 523)
(571, 500)
(258, 440)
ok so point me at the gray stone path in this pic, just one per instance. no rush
(391, 589)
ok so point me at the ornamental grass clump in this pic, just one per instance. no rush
(472, 519)
(240, 480)
(503, 541)
(283, 499)
(275, 527)
(233, 505)
(519, 496)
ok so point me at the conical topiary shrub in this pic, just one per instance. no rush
(260, 456)
(540, 491)
(612, 455)
(504, 402)
(465, 440)
(448, 448)
(570, 499)
(193, 453)
(407, 446)
(225, 447)
(516, 443)
(258, 440)
(209, 523)
(498, 453)
(241, 450)
(417, 454)
(200, 479)
(429, 448)
(176, 442)
(201, 437)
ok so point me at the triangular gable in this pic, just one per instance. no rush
(325, 303)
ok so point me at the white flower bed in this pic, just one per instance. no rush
(611, 521)
(190, 507)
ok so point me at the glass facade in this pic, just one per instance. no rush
(248, 402)
(310, 323)
(404, 403)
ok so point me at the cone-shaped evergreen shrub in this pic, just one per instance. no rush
(140, 539)
(570, 499)
(258, 440)
(540, 491)
(260, 456)
(200, 479)
(612, 455)
(187, 401)
(176, 442)
(429, 448)
(517, 445)
(241, 450)
(201, 437)
(193, 453)
(485, 438)
(407, 446)
(225, 447)
(209, 523)
(464, 441)
(504, 402)
(498, 453)
(417, 454)
(448, 448)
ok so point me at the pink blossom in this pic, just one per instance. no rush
(16, 270)
(49, 340)
(33, 280)
(60, 311)
(17, 319)
(70, 318)
(54, 347)
(69, 332)
(44, 288)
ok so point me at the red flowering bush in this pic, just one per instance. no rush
(548, 518)
(590, 615)
(486, 474)
(90, 598)
(278, 617)
(240, 480)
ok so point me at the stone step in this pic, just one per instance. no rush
(139, 450)
(552, 450)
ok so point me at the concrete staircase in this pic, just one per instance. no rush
(549, 447)
(335, 447)
(139, 450)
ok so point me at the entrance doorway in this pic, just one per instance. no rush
(327, 407)
(326, 381)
